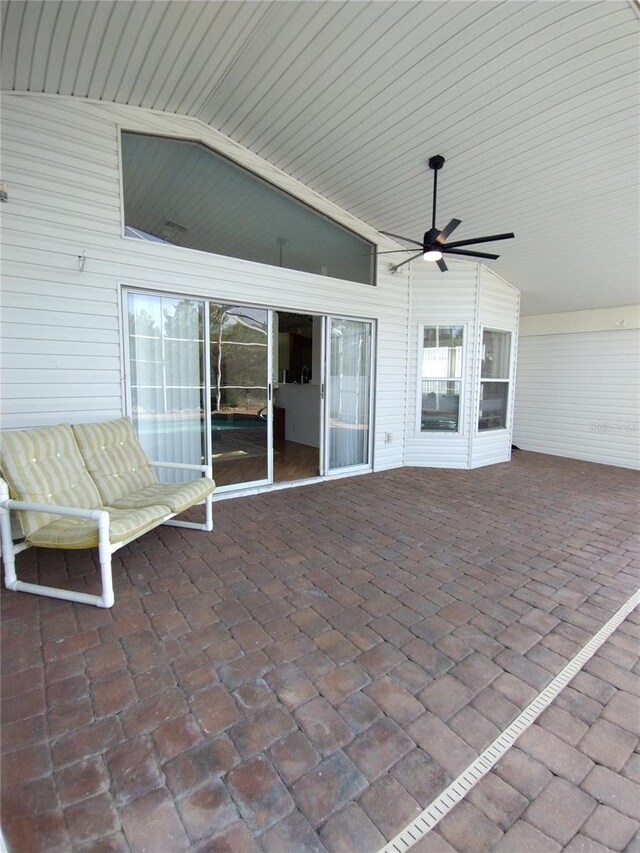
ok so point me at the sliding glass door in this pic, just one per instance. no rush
(199, 389)
(167, 377)
(348, 442)
(240, 398)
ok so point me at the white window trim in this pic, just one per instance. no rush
(508, 409)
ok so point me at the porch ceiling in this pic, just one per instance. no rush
(532, 104)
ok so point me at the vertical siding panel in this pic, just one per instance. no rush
(578, 396)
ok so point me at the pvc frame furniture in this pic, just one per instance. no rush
(105, 547)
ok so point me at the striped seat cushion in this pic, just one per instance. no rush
(114, 458)
(177, 496)
(44, 465)
(66, 532)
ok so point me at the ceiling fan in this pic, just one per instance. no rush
(433, 245)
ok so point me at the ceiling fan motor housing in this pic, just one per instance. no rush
(429, 238)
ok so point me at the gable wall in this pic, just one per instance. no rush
(61, 327)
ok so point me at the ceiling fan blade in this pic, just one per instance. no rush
(398, 237)
(470, 254)
(441, 265)
(470, 242)
(412, 258)
(392, 252)
(442, 236)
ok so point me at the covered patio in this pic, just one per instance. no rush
(315, 672)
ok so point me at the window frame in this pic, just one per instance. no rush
(460, 431)
(508, 381)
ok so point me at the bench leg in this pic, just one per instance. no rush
(209, 513)
(104, 552)
(8, 553)
(11, 580)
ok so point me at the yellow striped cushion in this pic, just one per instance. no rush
(177, 496)
(44, 465)
(73, 533)
(114, 458)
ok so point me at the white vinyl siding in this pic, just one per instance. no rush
(577, 396)
(498, 308)
(61, 325)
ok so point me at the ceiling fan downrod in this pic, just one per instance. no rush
(434, 242)
(436, 163)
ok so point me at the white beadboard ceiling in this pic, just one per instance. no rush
(533, 104)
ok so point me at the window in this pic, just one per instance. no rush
(441, 378)
(181, 192)
(494, 379)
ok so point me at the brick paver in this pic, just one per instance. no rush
(152, 823)
(560, 810)
(351, 829)
(328, 787)
(259, 793)
(314, 672)
(465, 828)
(498, 801)
(379, 748)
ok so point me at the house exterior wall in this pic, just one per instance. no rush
(61, 325)
(475, 297)
(578, 389)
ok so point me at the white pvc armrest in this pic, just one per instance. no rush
(52, 509)
(9, 550)
(182, 466)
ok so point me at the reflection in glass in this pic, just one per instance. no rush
(440, 406)
(496, 351)
(349, 393)
(441, 378)
(167, 378)
(493, 405)
(239, 393)
(181, 192)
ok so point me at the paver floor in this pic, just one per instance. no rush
(313, 673)
(571, 781)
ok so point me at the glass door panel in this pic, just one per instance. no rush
(167, 378)
(240, 404)
(349, 394)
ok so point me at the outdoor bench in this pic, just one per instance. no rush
(87, 486)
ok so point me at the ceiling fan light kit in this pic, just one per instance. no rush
(434, 245)
(432, 255)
